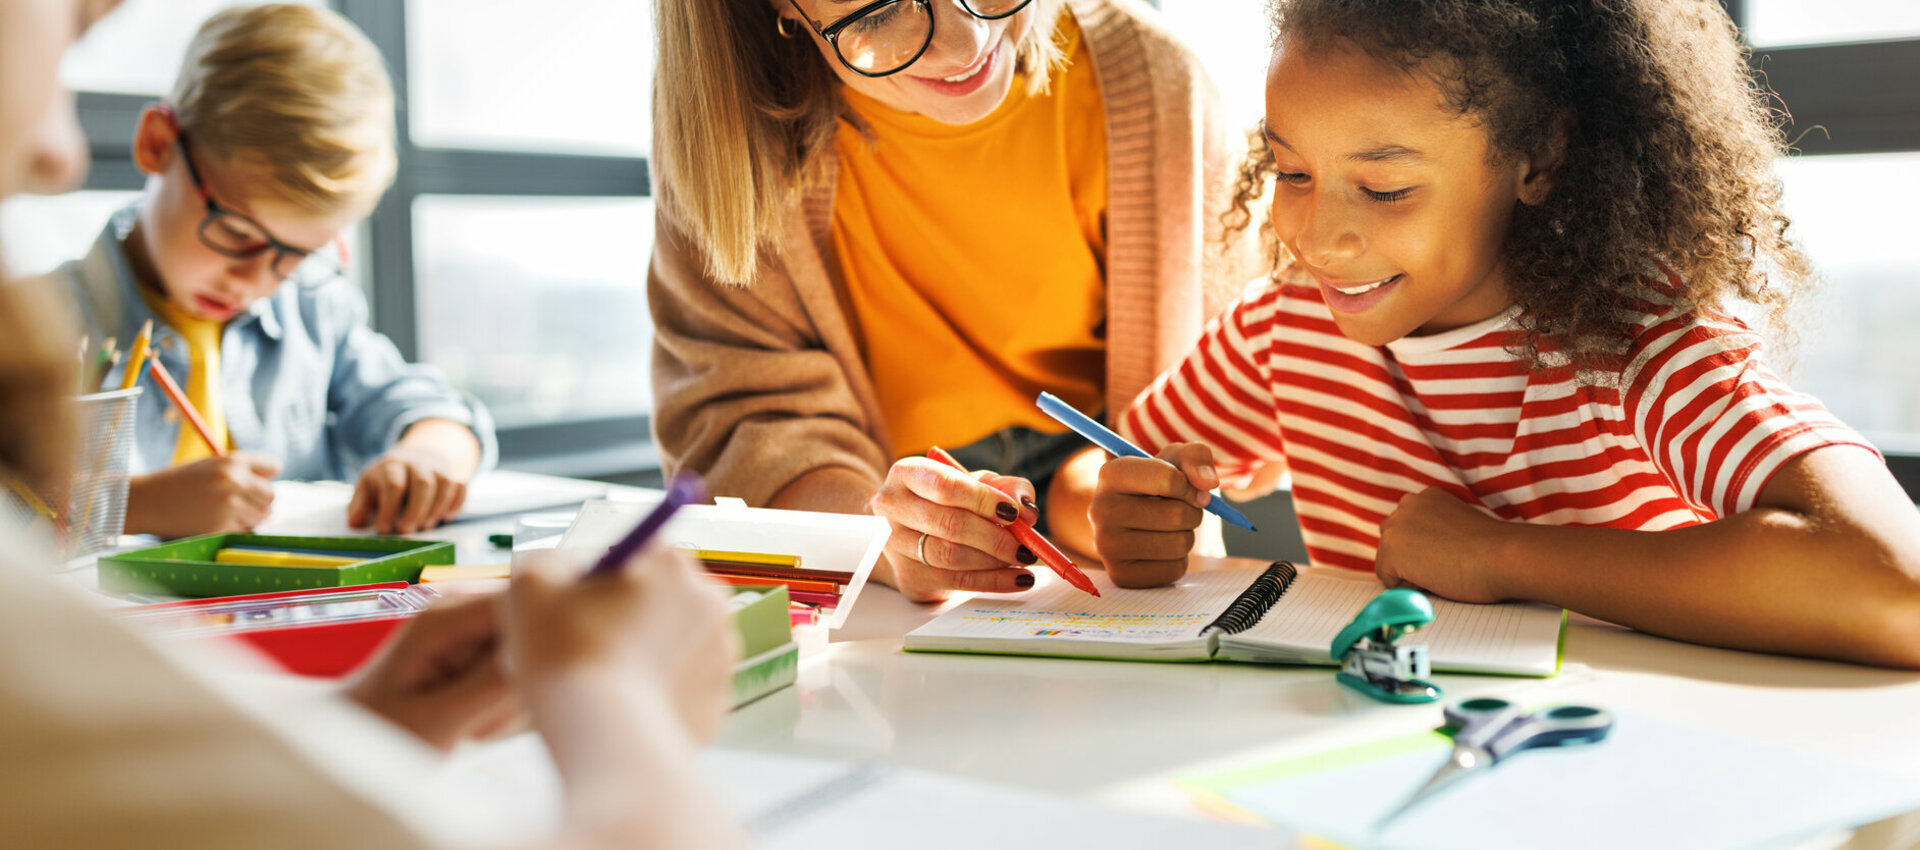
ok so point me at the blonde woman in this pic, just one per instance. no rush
(885, 226)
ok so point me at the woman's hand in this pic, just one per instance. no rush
(440, 677)
(656, 625)
(950, 530)
(1145, 510)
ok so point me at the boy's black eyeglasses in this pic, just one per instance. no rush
(885, 36)
(233, 234)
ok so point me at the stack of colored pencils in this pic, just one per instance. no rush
(820, 588)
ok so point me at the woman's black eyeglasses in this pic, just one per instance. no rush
(886, 36)
(233, 234)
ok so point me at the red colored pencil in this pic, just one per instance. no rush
(179, 399)
(1023, 531)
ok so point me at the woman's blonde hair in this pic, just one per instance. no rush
(298, 89)
(37, 374)
(739, 110)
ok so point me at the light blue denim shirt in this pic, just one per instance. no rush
(302, 377)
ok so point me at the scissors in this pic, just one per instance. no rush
(1487, 730)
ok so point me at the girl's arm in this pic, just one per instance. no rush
(1826, 563)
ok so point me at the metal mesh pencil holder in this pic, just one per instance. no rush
(97, 502)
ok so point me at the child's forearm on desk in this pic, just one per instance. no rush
(1839, 578)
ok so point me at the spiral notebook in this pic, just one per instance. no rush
(1271, 614)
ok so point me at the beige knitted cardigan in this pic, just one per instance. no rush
(757, 385)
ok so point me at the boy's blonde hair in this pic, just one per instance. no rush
(298, 90)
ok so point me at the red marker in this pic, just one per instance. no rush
(1023, 531)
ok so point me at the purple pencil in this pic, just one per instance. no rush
(685, 489)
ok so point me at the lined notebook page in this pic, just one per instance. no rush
(1505, 638)
(1058, 612)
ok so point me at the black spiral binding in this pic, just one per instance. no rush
(1254, 602)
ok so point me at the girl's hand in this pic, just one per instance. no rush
(1145, 510)
(440, 677)
(656, 626)
(408, 489)
(232, 493)
(1436, 543)
(963, 519)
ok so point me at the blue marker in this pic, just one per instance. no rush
(1118, 446)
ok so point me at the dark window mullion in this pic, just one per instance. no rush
(1844, 98)
(437, 171)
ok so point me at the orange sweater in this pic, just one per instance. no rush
(973, 267)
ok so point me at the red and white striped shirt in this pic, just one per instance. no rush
(1692, 429)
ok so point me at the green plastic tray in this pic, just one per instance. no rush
(185, 567)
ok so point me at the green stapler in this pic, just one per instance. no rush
(1374, 662)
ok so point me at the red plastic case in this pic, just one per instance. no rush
(316, 632)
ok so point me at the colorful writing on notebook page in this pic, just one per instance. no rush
(1176, 612)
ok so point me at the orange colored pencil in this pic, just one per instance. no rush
(179, 400)
(137, 355)
(1023, 531)
(755, 581)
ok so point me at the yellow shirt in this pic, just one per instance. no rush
(973, 257)
(202, 382)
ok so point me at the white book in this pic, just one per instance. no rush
(1269, 614)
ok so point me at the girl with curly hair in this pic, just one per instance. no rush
(1501, 353)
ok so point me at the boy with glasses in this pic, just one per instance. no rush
(276, 138)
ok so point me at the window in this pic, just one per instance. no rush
(512, 250)
(507, 75)
(1777, 23)
(137, 49)
(1857, 345)
(531, 303)
(43, 232)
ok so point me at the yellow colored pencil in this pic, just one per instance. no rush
(261, 558)
(762, 558)
(137, 355)
(30, 498)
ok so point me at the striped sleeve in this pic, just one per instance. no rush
(1221, 394)
(1714, 417)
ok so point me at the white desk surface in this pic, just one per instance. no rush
(1120, 732)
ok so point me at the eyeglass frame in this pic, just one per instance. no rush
(281, 249)
(831, 33)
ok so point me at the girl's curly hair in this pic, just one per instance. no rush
(1669, 158)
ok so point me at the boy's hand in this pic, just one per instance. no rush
(964, 519)
(232, 493)
(408, 489)
(1145, 510)
(657, 626)
(440, 677)
(1434, 542)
